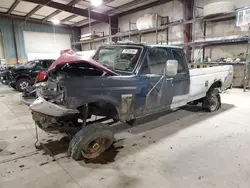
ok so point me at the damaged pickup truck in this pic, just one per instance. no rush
(122, 82)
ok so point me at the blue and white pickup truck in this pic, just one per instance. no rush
(122, 82)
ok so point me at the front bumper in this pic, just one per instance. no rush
(27, 100)
(12, 83)
(42, 106)
(4, 80)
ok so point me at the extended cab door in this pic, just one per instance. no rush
(154, 90)
(181, 80)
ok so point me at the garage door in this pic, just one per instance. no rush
(36, 42)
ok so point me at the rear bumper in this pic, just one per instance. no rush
(42, 106)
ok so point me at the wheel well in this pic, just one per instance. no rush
(23, 77)
(216, 84)
(103, 108)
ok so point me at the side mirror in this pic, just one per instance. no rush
(171, 68)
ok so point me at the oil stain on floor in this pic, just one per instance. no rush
(106, 157)
(55, 147)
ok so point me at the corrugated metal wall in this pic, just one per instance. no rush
(8, 36)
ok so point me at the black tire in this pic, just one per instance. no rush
(21, 82)
(212, 102)
(94, 135)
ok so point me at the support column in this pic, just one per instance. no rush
(188, 7)
(15, 40)
(113, 27)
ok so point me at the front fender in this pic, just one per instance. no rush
(23, 76)
(117, 90)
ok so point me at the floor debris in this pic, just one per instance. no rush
(200, 177)
(44, 163)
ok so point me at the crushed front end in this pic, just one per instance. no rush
(51, 110)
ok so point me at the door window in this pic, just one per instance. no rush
(157, 58)
(181, 58)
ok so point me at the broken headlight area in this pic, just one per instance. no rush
(56, 125)
(51, 92)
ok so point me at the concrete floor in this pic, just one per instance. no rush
(188, 148)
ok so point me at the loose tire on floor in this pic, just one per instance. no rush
(212, 102)
(21, 82)
(91, 141)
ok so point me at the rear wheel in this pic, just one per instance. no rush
(91, 141)
(22, 84)
(212, 102)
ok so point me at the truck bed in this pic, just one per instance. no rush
(201, 79)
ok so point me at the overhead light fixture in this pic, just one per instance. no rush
(55, 21)
(96, 2)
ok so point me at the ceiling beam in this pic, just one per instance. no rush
(72, 3)
(69, 18)
(13, 6)
(136, 6)
(38, 7)
(51, 15)
(83, 22)
(75, 10)
(127, 8)
(31, 20)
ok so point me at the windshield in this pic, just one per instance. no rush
(21, 65)
(29, 64)
(121, 58)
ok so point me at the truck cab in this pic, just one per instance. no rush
(145, 68)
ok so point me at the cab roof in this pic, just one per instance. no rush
(145, 45)
(165, 46)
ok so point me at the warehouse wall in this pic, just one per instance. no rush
(8, 39)
(238, 3)
(6, 27)
(219, 30)
(174, 9)
(101, 27)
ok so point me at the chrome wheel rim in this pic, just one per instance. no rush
(23, 85)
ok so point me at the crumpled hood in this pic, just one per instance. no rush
(70, 56)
